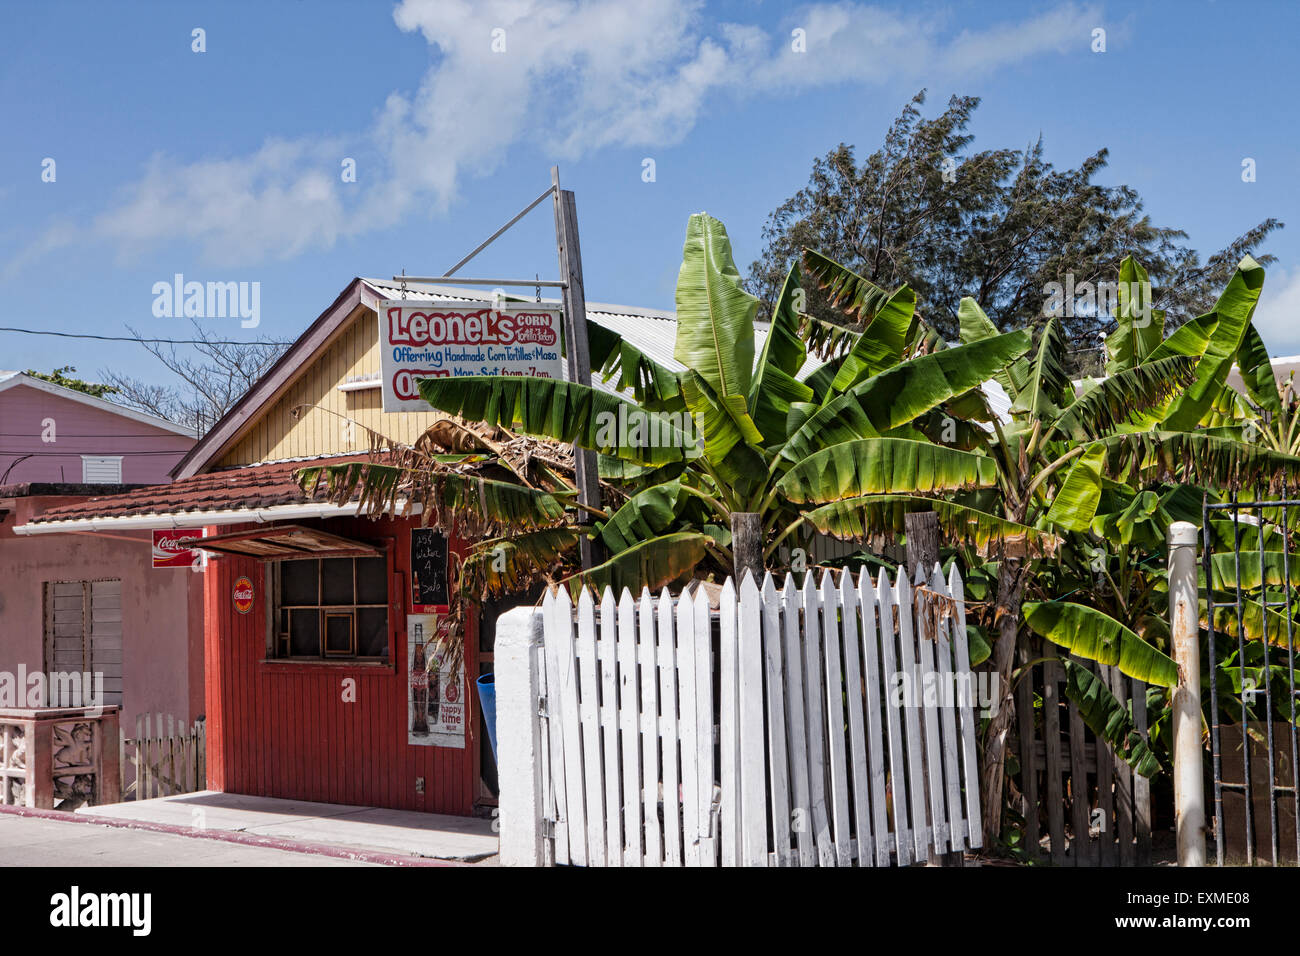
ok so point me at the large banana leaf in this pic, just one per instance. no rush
(902, 393)
(652, 564)
(567, 412)
(1141, 327)
(644, 515)
(1211, 461)
(1256, 620)
(881, 344)
(1276, 568)
(1048, 388)
(1075, 503)
(1257, 372)
(784, 353)
(1118, 400)
(654, 387)
(883, 465)
(378, 488)
(871, 515)
(1233, 313)
(715, 315)
(847, 290)
(1108, 718)
(730, 438)
(975, 326)
(510, 563)
(1095, 636)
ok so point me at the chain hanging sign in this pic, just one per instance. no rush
(453, 339)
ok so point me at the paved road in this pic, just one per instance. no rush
(33, 841)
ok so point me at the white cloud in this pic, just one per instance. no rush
(1277, 317)
(574, 76)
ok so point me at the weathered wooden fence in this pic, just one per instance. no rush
(1082, 804)
(828, 724)
(163, 758)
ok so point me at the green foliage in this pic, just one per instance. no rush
(61, 377)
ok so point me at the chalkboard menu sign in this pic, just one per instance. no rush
(428, 570)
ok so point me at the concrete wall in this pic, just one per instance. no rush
(162, 610)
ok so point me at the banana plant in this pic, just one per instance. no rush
(742, 429)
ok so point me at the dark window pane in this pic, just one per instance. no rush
(304, 633)
(336, 581)
(372, 632)
(298, 582)
(338, 633)
(372, 580)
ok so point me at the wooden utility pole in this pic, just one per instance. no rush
(577, 351)
(922, 528)
(747, 545)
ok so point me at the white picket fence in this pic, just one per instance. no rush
(827, 725)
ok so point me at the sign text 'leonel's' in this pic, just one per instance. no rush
(453, 339)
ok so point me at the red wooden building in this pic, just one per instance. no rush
(310, 609)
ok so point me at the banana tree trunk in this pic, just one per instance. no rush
(1007, 617)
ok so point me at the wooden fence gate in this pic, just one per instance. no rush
(1082, 805)
(831, 724)
(163, 758)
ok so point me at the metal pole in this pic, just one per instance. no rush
(577, 350)
(455, 280)
(1189, 785)
(492, 238)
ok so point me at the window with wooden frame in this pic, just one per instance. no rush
(330, 608)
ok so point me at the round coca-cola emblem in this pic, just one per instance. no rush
(453, 692)
(243, 594)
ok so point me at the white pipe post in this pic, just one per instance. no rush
(517, 667)
(1189, 783)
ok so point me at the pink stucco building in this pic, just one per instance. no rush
(92, 602)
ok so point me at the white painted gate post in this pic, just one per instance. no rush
(1189, 784)
(518, 668)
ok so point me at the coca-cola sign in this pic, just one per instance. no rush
(243, 593)
(171, 549)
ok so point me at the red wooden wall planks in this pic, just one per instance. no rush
(282, 729)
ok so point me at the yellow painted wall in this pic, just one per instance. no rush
(354, 352)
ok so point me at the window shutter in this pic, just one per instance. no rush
(106, 637)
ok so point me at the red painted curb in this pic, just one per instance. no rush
(233, 836)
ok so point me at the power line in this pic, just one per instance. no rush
(130, 338)
(101, 454)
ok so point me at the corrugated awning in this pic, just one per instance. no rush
(284, 542)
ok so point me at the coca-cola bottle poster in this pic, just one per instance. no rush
(435, 695)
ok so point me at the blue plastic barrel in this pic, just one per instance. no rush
(487, 698)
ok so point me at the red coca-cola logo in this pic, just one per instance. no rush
(243, 595)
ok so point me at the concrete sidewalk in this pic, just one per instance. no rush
(288, 823)
(47, 840)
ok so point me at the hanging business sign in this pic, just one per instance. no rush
(435, 692)
(171, 549)
(450, 339)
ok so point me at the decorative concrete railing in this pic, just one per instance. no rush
(59, 758)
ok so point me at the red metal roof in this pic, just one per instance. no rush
(252, 486)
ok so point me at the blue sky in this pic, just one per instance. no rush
(225, 165)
